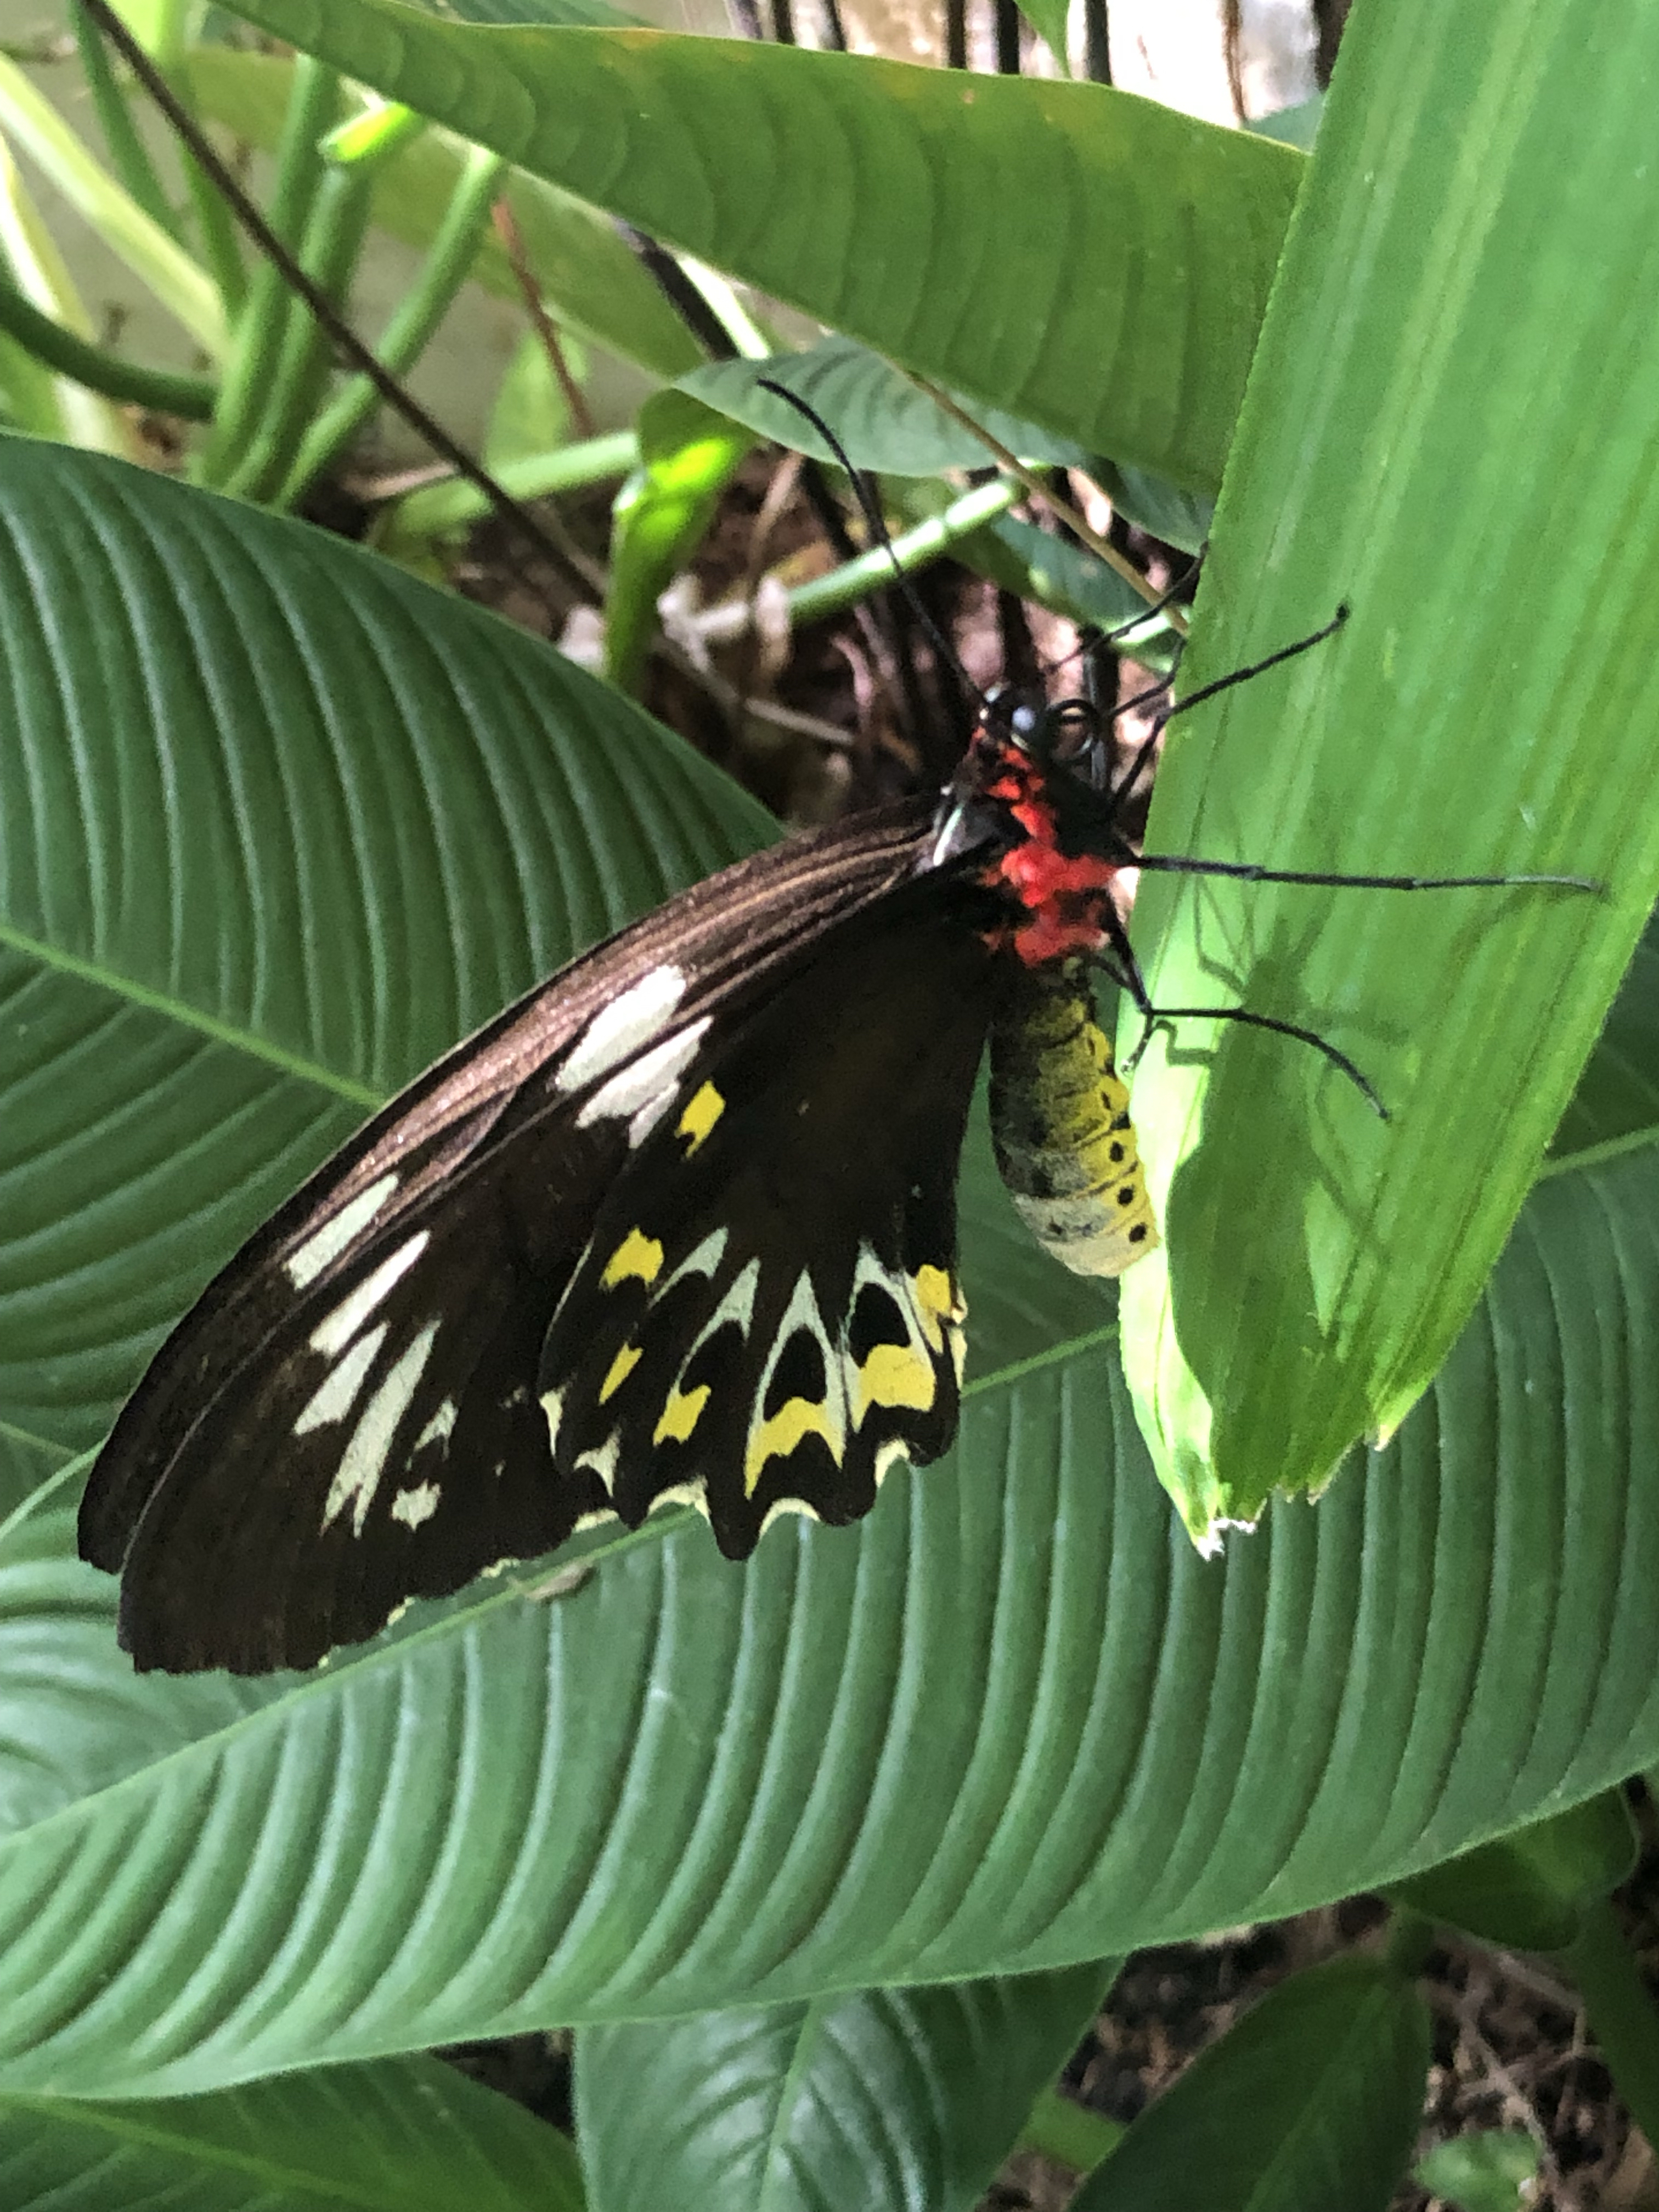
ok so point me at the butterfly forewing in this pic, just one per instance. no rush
(351, 1412)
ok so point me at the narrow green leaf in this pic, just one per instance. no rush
(882, 419)
(1313, 2099)
(687, 456)
(941, 218)
(1489, 708)
(881, 2099)
(1530, 1890)
(1621, 2013)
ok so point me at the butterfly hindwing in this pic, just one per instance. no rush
(351, 1412)
(768, 1312)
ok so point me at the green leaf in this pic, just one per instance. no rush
(1490, 2170)
(1040, 565)
(1181, 519)
(278, 824)
(1529, 1892)
(882, 2098)
(1311, 2099)
(881, 418)
(406, 2135)
(1487, 708)
(688, 455)
(597, 284)
(940, 218)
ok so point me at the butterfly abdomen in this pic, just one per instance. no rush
(1060, 1127)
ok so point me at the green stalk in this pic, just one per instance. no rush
(221, 244)
(440, 510)
(912, 548)
(332, 245)
(407, 333)
(262, 326)
(1621, 2014)
(127, 150)
(31, 393)
(192, 397)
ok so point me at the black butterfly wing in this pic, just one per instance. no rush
(350, 1415)
(767, 1312)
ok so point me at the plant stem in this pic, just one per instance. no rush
(168, 391)
(262, 326)
(405, 336)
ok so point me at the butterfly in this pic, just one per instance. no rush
(678, 1225)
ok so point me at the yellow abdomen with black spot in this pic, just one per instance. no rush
(1060, 1122)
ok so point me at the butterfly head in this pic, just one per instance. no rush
(1032, 810)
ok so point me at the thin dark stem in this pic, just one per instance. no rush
(956, 35)
(1007, 23)
(682, 295)
(835, 31)
(1096, 43)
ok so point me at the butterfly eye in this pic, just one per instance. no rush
(1073, 731)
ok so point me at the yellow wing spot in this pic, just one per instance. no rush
(621, 1368)
(789, 1427)
(680, 1415)
(940, 1300)
(699, 1117)
(637, 1254)
(894, 1374)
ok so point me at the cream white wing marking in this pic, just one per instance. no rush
(553, 1407)
(325, 1244)
(363, 1460)
(617, 1031)
(330, 1337)
(440, 1428)
(412, 1507)
(703, 1259)
(642, 1093)
(336, 1394)
(603, 1461)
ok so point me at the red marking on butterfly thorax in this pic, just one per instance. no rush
(1060, 897)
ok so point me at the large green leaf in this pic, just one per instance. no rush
(594, 281)
(881, 2099)
(397, 2135)
(1086, 259)
(278, 824)
(1435, 433)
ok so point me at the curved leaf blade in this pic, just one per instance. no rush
(939, 217)
(406, 2135)
(881, 2098)
(1487, 710)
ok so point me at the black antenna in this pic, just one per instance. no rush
(876, 526)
